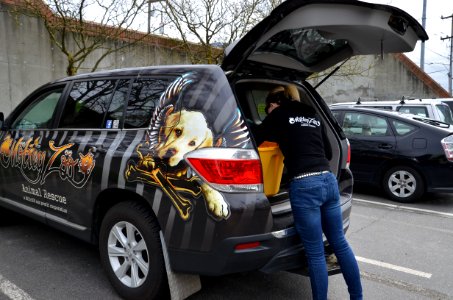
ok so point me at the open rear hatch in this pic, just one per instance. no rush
(304, 36)
(301, 37)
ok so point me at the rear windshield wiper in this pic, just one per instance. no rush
(433, 122)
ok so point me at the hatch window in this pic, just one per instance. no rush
(308, 46)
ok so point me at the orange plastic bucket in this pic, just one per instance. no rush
(272, 164)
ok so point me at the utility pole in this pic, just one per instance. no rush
(450, 73)
(422, 53)
(151, 13)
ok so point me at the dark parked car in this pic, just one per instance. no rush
(158, 165)
(404, 154)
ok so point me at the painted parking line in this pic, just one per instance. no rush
(393, 267)
(406, 208)
(12, 291)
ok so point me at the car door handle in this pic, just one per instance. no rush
(385, 146)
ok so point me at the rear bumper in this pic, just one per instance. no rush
(225, 259)
(277, 251)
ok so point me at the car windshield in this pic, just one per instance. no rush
(445, 113)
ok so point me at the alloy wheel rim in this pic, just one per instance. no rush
(402, 184)
(128, 254)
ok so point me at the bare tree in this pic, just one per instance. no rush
(203, 24)
(106, 33)
(356, 66)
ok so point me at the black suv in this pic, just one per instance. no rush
(158, 165)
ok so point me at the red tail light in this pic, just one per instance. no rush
(348, 160)
(229, 170)
(447, 144)
(247, 246)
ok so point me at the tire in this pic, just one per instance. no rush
(403, 184)
(140, 267)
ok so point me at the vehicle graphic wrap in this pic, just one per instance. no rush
(45, 160)
(36, 165)
(117, 161)
(178, 127)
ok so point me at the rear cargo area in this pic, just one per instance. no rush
(251, 94)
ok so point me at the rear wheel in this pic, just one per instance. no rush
(131, 252)
(403, 184)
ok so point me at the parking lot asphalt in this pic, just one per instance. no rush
(404, 252)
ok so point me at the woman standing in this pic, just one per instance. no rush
(314, 194)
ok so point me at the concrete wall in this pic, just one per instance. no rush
(28, 59)
(379, 79)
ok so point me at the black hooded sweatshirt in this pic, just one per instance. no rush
(301, 135)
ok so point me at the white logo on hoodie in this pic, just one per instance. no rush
(311, 122)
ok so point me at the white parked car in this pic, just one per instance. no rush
(435, 109)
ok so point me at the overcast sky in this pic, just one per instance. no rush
(437, 52)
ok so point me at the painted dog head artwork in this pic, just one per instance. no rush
(183, 131)
(175, 130)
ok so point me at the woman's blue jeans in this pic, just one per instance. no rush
(315, 202)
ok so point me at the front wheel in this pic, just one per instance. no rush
(403, 184)
(131, 252)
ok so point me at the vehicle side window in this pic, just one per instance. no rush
(444, 113)
(359, 124)
(415, 110)
(403, 128)
(336, 114)
(40, 113)
(115, 113)
(259, 99)
(143, 100)
(87, 104)
(449, 103)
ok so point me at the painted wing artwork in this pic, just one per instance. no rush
(168, 101)
(236, 134)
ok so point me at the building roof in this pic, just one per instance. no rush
(422, 76)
